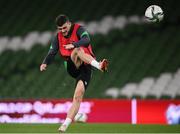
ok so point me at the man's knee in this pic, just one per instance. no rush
(75, 57)
(79, 51)
(78, 97)
(76, 50)
(79, 92)
(75, 53)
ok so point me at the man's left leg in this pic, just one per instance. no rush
(77, 99)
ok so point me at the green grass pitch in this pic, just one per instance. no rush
(88, 128)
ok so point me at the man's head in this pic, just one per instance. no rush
(63, 24)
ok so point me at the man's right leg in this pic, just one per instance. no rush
(78, 53)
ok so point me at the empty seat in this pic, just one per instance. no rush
(128, 90)
(144, 87)
(112, 92)
(30, 40)
(3, 43)
(160, 85)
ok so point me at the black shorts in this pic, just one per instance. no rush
(83, 73)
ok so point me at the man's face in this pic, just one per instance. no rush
(65, 28)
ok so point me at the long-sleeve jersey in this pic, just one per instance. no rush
(84, 40)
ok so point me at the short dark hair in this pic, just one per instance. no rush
(61, 19)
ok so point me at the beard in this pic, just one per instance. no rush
(65, 33)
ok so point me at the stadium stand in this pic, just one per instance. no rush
(144, 58)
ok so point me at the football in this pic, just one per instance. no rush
(80, 117)
(154, 13)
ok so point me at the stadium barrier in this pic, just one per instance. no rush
(98, 111)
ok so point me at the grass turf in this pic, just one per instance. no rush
(89, 128)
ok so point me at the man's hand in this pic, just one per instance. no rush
(43, 67)
(69, 46)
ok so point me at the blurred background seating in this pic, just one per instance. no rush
(144, 58)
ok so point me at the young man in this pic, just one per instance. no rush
(73, 43)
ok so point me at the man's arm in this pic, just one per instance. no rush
(83, 36)
(52, 51)
(51, 54)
